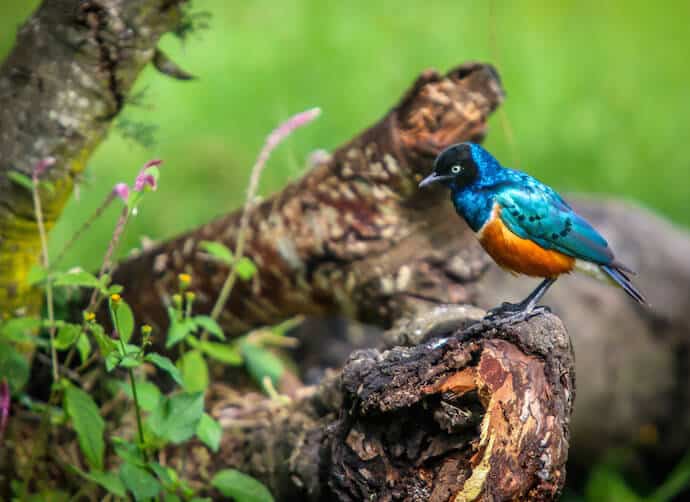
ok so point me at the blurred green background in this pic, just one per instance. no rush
(597, 98)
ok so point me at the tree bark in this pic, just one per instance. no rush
(477, 414)
(67, 77)
(354, 236)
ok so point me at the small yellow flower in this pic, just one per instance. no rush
(89, 316)
(190, 296)
(177, 300)
(115, 298)
(146, 329)
(185, 280)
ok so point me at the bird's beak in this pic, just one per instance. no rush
(432, 178)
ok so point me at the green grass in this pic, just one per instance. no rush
(597, 98)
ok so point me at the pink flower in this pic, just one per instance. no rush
(121, 190)
(42, 166)
(144, 178)
(4, 405)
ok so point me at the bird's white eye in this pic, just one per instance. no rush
(455, 169)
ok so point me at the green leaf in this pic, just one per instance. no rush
(223, 352)
(166, 365)
(84, 347)
(210, 325)
(178, 331)
(114, 289)
(37, 274)
(77, 277)
(163, 473)
(105, 344)
(123, 319)
(21, 179)
(218, 250)
(262, 363)
(139, 481)
(177, 417)
(112, 360)
(20, 329)
(14, 367)
(127, 451)
(243, 488)
(245, 268)
(107, 480)
(194, 371)
(67, 335)
(129, 362)
(148, 393)
(209, 432)
(88, 424)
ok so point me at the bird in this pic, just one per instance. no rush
(524, 225)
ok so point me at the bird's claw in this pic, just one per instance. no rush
(513, 313)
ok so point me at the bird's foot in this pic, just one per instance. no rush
(513, 313)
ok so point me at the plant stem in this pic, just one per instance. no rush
(133, 385)
(112, 246)
(84, 227)
(272, 141)
(49, 288)
(137, 410)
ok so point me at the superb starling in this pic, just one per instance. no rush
(524, 225)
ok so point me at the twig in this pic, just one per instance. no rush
(273, 140)
(38, 170)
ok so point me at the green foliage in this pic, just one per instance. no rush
(194, 371)
(13, 366)
(219, 251)
(139, 481)
(166, 365)
(228, 353)
(177, 417)
(77, 277)
(87, 423)
(209, 432)
(21, 179)
(262, 363)
(122, 316)
(243, 488)
(245, 267)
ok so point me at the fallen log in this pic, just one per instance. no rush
(480, 413)
(354, 236)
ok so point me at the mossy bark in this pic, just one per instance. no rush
(68, 76)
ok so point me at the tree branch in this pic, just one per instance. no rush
(67, 77)
(347, 237)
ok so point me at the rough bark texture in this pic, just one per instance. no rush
(481, 415)
(66, 79)
(354, 236)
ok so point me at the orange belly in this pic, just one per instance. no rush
(520, 255)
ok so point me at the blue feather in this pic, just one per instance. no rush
(619, 276)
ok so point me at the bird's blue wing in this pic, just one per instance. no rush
(534, 211)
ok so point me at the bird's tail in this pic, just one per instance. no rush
(619, 275)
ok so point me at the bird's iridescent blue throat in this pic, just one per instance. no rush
(524, 224)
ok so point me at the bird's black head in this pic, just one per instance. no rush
(455, 167)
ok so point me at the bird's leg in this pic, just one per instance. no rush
(516, 312)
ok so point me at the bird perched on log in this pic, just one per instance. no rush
(524, 225)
